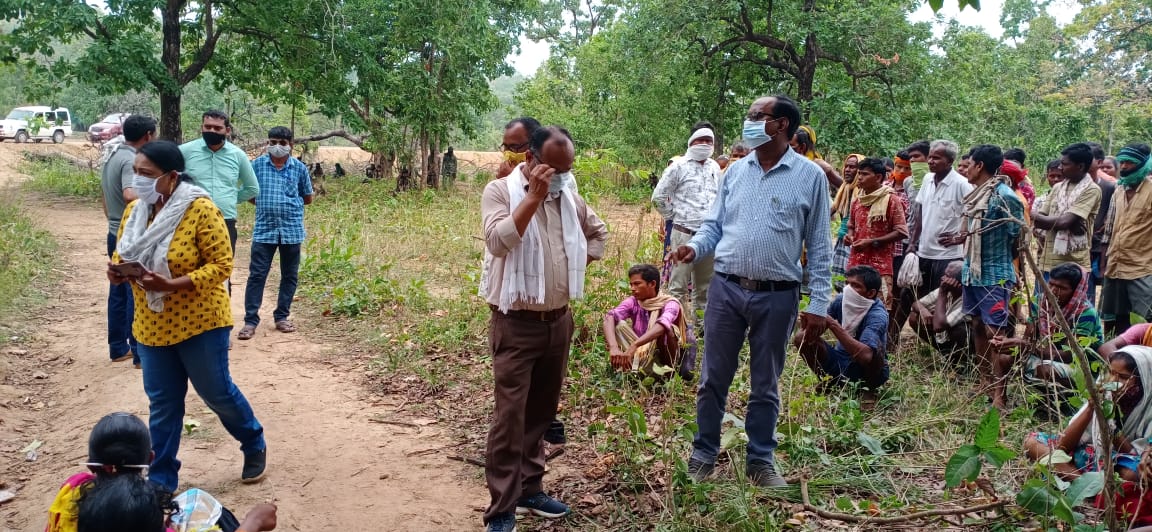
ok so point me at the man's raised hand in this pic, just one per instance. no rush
(538, 180)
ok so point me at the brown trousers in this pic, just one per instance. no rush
(529, 361)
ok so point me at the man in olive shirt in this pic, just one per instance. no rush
(221, 168)
(116, 183)
(541, 235)
(1128, 274)
(1069, 214)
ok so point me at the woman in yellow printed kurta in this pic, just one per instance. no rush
(183, 316)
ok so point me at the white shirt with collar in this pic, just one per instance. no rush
(941, 211)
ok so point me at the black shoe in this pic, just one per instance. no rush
(699, 471)
(254, 466)
(764, 475)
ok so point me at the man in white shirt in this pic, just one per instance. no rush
(685, 195)
(937, 210)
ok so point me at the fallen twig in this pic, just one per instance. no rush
(467, 460)
(362, 469)
(391, 422)
(849, 518)
(305, 485)
(430, 450)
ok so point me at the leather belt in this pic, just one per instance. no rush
(760, 286)
(683, 229)
(533, 315)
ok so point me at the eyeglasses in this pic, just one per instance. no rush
(518, 148)
(756, 117)
(279, 142)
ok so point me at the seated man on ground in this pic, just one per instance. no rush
(657, 334)
(1049, 355)
(1130, 372)
(938, 317)
(859, 321)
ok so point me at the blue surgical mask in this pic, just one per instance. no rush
(145, 188)
(754, 135)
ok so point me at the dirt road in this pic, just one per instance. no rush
(330, 466)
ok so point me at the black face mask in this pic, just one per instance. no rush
(212, 138)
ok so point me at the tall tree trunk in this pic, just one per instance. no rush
(171, 90)
(436, 165)
(387, 162)
(807, 75)
(170, 116)
(422, 140)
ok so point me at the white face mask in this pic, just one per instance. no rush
(699, 152)
(279, 151)
(559, 181)
(145, 188)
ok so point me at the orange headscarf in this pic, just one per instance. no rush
(899, 177)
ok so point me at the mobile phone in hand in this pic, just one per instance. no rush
(133, 269)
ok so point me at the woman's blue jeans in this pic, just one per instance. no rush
(203, 360)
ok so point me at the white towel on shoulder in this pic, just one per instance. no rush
(524, 265)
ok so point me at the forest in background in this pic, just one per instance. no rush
(402, 80)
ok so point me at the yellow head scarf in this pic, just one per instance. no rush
(811, 154)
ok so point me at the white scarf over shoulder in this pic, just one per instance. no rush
(524, 265)
(148, 244)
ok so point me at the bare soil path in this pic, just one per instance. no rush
(330, 466)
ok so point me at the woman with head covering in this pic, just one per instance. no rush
(1129, 383)
(841, 207)
(804, 143)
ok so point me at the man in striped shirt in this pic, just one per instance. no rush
(771, 205)
(993, 216)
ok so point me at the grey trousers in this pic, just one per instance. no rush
(766, 319)
(698, 273)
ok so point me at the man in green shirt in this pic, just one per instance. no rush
(221, 168)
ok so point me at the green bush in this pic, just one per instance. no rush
(26, 256)
(62, 179)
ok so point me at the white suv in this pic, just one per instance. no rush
(36, 123)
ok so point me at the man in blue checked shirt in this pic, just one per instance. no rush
(285, 188)
(772, 205)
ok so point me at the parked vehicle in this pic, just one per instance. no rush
(36, 123)
(107, 129)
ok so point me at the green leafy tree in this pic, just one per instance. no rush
(661, 65)
(402, 76)
(128, 45)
